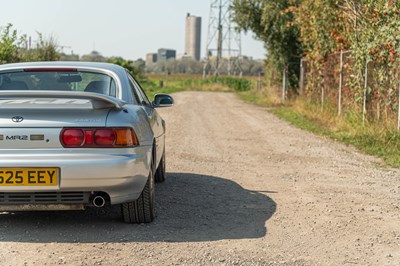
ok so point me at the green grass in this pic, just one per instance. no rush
(299, 120)
(152, 87)
(248, 97)
(385, 146)
(378, 139)
(154, 84)
(261, 98)
(374, 140)
(168, 90)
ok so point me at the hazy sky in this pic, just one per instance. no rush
(127, 28)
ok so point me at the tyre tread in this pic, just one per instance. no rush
(142, 209)
(159, 176)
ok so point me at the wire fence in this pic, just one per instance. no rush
(336, 83)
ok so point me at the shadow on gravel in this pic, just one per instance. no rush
(190, 208)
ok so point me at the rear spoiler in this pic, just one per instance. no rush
(99, 101)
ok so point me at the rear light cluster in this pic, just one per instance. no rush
(98, 138)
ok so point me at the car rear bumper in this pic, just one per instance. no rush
(120, 174)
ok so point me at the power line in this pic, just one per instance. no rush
(223, 49)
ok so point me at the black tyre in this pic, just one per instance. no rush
(160, 172)
(141, 210)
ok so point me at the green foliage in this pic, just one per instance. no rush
(299, 120)
(45, 50)
(8, 45)
(12, 47)
(129, 65)
(273, 22)
(237, 84)
(385, 145)
(313, 29)
(378, 39)
(371, 30)
(151, 91)
(321, 28)
(172, 83)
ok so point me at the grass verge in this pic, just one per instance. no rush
(380, 139)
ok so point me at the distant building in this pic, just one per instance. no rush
(183, 57)
(151, 58)
(165, 54)
(94, 56)
(69, 57)
(193, 36)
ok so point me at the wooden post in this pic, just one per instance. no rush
(302, 78)
(398, 102)
(284, 84)
(365, 93)
(340, 84)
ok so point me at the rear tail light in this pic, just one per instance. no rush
(72, 137)
(125, 137)
(98, 138)
(104, 137)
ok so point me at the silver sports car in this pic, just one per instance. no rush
(75, 134)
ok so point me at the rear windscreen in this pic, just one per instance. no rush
(58, 81)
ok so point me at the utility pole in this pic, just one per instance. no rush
(223, 49)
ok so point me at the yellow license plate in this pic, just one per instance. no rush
(29, 176)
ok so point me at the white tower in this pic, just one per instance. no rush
(193, 37)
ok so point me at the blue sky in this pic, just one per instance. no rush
(127, 28)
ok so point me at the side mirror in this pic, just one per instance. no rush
(162, 100)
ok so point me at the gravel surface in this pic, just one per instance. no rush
(243, 188)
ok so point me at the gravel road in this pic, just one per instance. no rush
(243, 188)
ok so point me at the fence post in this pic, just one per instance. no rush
(259, 81)
(302, 80)
(340, 84)
(272, 78)
(323, 96)
(365, 93)
(323, 87)
(398, 102)
(284, 83)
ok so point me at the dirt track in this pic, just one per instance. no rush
(243, 188)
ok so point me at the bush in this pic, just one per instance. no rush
(237, 84)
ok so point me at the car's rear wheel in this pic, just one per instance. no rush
(141, 210)
(160, 172)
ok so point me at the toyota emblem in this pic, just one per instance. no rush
(17, 119)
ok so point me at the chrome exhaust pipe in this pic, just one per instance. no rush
(99, 201)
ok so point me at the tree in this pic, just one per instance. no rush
(8, 45)
(129, 65)
(273, 22)
(46, 50)
(139, 64)
(321, 28)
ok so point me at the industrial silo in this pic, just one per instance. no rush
(193, 36)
